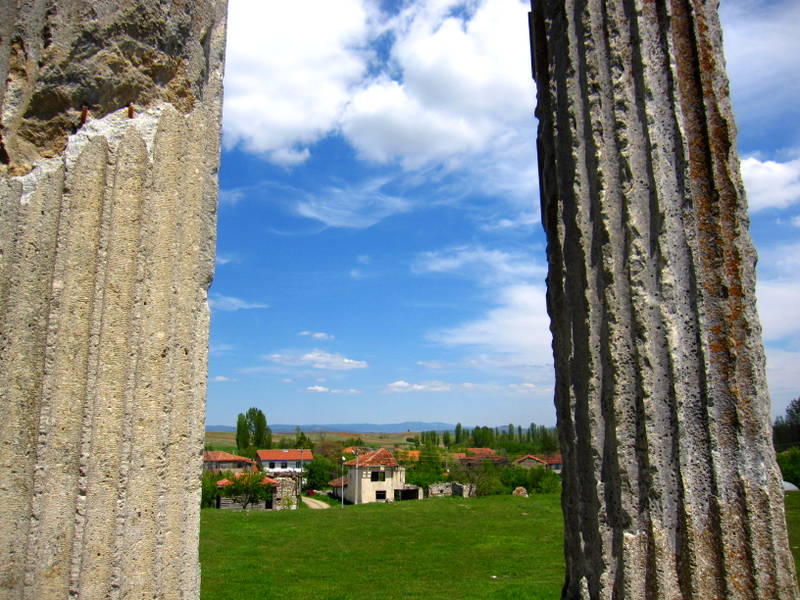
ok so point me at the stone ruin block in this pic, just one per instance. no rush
(670, 486)
(109, 149)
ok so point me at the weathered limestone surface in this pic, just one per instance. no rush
(106, 252)
(670, 484)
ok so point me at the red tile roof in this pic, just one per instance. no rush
(552, 459)
(480, 451)
(279, 454)
(530, 457)
(457, 455)
(413, 454)
(224, 482)
(340, 482)
(379, 458)
(220, 456)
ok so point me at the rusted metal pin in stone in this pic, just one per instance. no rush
(130, 110)
(84, 115)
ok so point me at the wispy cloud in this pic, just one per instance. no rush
(231, 197)
(356, 205)
(221, 379)
(317, 359)
(515, 332)
(218, 349)
(229, 303)
(224, 258)
(317, 335)
(486, 265)
(321, 389)
(763, 67)
(425, 386)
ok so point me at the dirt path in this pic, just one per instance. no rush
(314, 503)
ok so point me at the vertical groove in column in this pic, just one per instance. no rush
(30, 215)
(108, 407)
(56, 482)
(670, 485)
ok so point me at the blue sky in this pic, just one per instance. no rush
(380, 255)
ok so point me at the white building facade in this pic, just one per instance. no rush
(284, 461)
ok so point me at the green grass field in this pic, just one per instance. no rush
(491, 547)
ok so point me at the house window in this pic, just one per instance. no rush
(272, 465)
(297, 464)
(379, 476)
(284, 464)
(380, 495)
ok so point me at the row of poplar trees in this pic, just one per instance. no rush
(252, 430)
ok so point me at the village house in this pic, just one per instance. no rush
(375, 477)
(284, 461)
(529, 461)
(216, 460)
(285, 491)
(550, 462)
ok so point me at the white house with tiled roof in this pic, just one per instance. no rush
(376, 477)
(280, 460)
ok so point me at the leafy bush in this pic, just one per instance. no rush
(789, 462)
(319, 472)
(208, 487)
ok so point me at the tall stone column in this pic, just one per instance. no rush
(671, 489)
(109, 151)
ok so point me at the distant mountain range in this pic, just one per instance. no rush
(352, 427)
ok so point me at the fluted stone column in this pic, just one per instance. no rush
(109, 153)
(671, 489)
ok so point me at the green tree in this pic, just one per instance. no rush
(786, 429)
(248, 488)
(242, 433)
(209, 492)
(301, 440)
(459, 434)
(446, 439)
(319, 472)
(262, 436)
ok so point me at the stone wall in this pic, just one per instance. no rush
(670, 486)
(107, 227)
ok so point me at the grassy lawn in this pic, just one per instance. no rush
(437, 548)
(492, 547)
(793, 523)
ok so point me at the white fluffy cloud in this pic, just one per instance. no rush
(221, 379)
(771, 184)
(456, 92)
(465, 83)
(317, 359)
(290, 70)
(229, 303)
